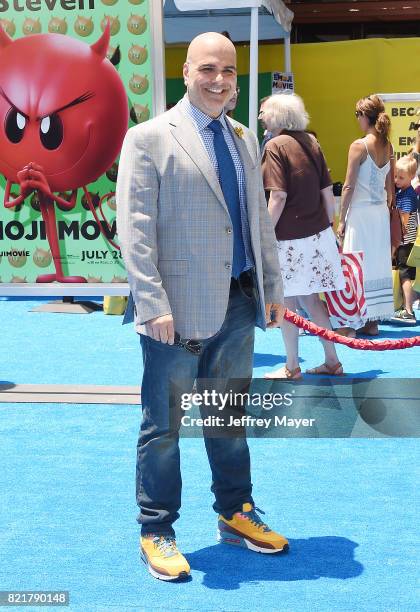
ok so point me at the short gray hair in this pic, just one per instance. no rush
(286, 112)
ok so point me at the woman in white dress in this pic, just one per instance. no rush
(364, 224)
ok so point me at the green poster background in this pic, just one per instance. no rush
(85, 251)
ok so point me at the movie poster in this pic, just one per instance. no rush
(282, 82)
(87, 244)
(404, 112)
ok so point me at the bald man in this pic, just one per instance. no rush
(201, 260)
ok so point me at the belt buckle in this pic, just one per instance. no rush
(246, 278)
(246, 283)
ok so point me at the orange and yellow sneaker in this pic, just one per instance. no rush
(246, 529)
(163, 559)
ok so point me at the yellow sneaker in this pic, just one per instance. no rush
(163, 559)
(246, 529)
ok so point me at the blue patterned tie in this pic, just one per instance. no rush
(229, 184)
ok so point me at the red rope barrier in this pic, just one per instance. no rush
(354, 343)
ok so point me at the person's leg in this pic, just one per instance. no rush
(407, 274)
(158, 478)
(290, 335)
(348, 332)
(227, 360)
(318, 313)
(409, 295)
(370, 329)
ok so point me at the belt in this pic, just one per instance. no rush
(245, 279)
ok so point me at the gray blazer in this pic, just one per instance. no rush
(175, 231)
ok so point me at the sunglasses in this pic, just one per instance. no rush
(358, 114)
(192, 346)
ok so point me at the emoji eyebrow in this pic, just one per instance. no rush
(79, 100)
(13, 105)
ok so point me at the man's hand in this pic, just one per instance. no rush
(161, 329)
(274, 314)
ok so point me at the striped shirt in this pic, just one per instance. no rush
(202, 122)
(407, 201)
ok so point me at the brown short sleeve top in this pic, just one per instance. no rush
(287, 167)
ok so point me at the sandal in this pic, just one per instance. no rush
(295, 374)
(324, 368)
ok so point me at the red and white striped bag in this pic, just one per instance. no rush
(347, 307)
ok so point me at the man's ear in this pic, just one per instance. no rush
(185, 72)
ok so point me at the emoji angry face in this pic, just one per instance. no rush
(56, 96)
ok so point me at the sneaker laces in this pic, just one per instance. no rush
(252, 516)
(166, 545)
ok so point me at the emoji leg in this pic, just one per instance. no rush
(48, 215)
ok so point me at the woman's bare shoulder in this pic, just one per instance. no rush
(357, 149)
(358, 145)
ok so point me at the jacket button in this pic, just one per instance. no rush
(229, 230)
(228, 266)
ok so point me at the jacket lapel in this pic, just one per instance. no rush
(185, 132)
(242, 148)
(250, 176)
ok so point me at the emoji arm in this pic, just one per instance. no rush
(11, 203)
(67, 204)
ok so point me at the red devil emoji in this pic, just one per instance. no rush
(63, 117)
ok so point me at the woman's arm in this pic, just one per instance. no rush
(276, 205)
(328, 201)
(357, 154)
(389, 182)
(404, 216)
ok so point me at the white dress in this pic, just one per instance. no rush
(310, 265)
(368, 230)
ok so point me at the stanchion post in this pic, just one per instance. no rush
(253, 72)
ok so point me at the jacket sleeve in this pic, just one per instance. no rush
(137, 196)
(273, 284)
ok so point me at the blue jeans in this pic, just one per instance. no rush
(228, 354)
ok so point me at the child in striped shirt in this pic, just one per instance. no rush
(406, 202)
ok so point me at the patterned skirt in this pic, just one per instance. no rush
(310, 265)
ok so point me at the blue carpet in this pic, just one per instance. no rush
(67, 515)
(48, 348)
(68, 519)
